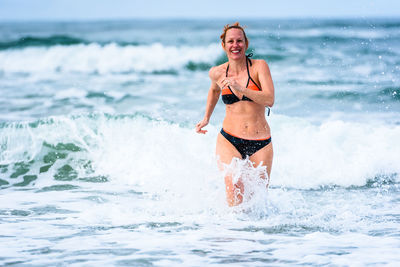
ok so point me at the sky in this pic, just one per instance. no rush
(32, 10)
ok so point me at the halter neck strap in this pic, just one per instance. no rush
(248, 58)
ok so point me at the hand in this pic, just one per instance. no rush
(200, 125)
(232, 83)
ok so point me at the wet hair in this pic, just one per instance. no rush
(235, 25)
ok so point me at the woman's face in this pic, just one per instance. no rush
(235, 45)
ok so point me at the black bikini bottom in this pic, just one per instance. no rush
(244, 146)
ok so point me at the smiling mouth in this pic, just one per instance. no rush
(235, 51)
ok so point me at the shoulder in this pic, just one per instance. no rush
(217, 71)
(261, 66)
(260, 63)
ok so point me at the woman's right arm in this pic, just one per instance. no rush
(212, 99)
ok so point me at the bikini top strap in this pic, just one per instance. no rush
(247, 63)
(247, 67)
(227, 68)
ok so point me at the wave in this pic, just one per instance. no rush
(54, 40)
(110, 58)
(390, 93)
(28, 41)
(387, 94)
(364, 23)
(59, 152)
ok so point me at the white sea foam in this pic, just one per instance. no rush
(160, 172)
(111, 58)
(144, 153)
(344, 32)
(333, 153)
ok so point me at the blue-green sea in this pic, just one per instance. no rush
(100, 164)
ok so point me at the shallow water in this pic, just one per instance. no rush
(99, 162)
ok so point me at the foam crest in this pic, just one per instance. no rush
(15, 142)
(332, 153)
(110, 58)
(158, 157)
(165, 161)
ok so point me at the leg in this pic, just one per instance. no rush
(264, 155)
(226, 152)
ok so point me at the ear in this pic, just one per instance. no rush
(223, 44)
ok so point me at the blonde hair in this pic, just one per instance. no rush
(235, 25)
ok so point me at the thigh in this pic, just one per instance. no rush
(225, 151)
(264, 155)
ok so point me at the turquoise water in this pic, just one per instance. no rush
(99, 162)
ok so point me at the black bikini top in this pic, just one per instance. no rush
(228, 97)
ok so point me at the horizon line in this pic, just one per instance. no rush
(199, 18)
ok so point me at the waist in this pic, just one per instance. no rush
(257, 129)
(246, 120)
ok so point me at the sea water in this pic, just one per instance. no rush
(100, 163)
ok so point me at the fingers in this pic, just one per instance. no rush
(199, 130)
(199, 127)
(225, 82)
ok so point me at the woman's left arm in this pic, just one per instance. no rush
(266, 97)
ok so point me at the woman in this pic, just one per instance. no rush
(247, 88)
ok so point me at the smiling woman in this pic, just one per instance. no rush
(247, 88)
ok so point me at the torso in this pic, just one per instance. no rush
(245, 119)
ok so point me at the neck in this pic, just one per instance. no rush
(237, 66)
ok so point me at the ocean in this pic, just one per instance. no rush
(100, 163)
